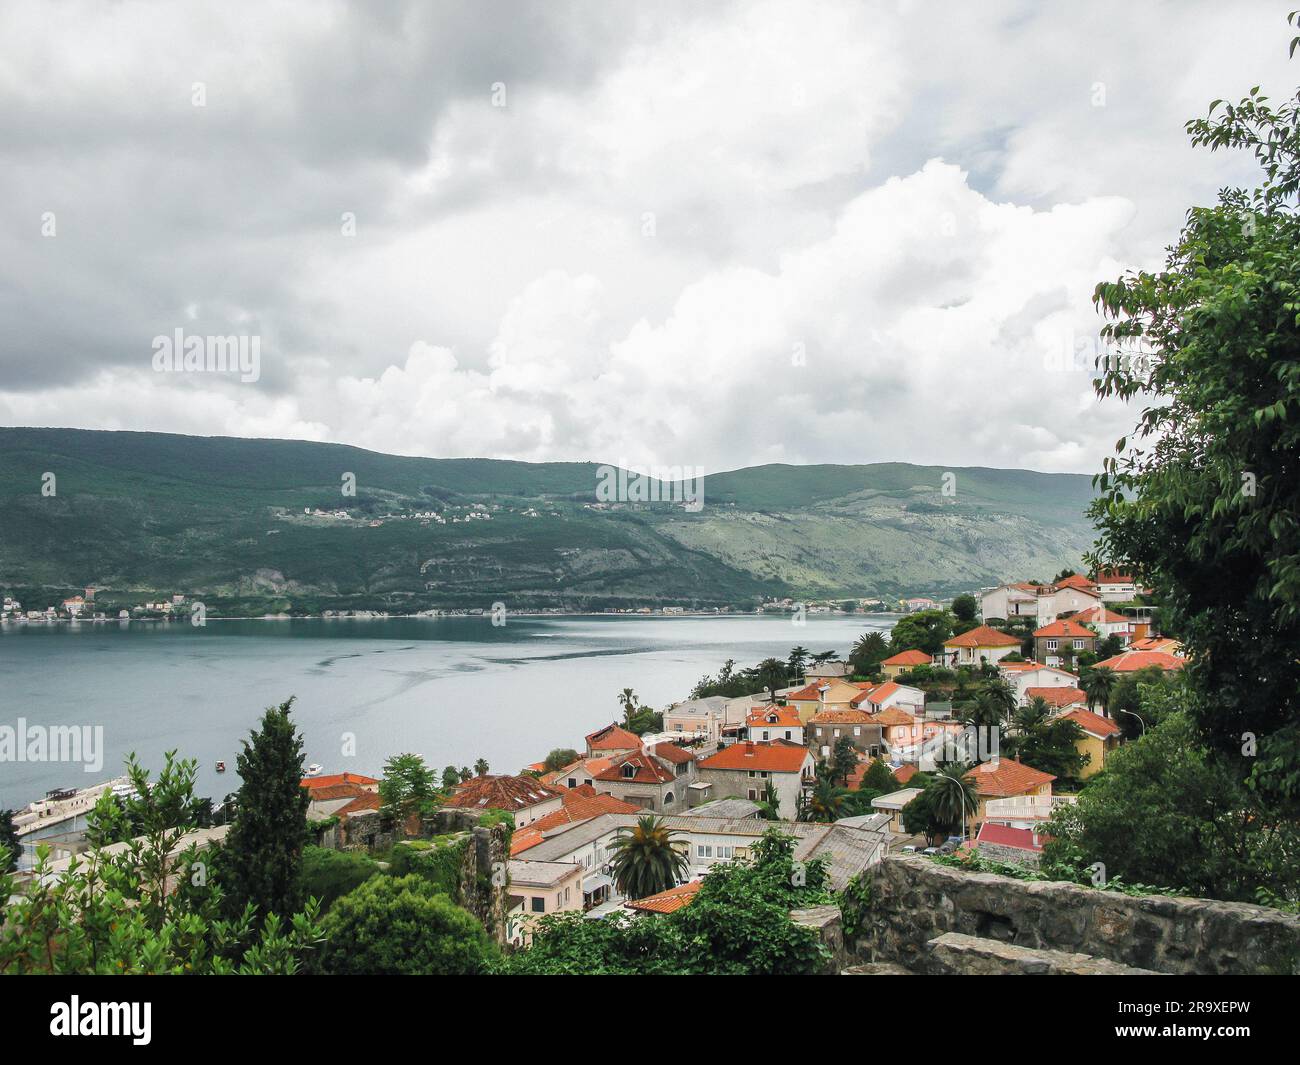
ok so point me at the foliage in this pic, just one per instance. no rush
(263, 853)
(964, 607)
(408, 788)
(10, 845)
(925, 631)
(402, 926)
(737, 924)
(646, 859)
(870, 649)
(328, 874)
(559, 758)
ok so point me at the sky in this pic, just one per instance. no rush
(701, 235)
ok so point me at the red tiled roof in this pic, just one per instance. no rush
(667, 901)
(337, 791)
(645, 770)
(670, 752)
(613, 738)
(1111, 577)
(983, 637)
(841, 716)
(501, 793)
(1131, 661)
(1058, 696)
(1066, 627)
(786, 717)
(1075, 580)
(892, 715)
(367, 801)
(523, 838)
(581, 804)
(312, 783)
(810, 692)
(1005, 836)
(769, 757)
(1095, 724)
(904, 773)
(908, 658)
(1005, 777)
(1020, 667)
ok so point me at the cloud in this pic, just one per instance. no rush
(693, 235)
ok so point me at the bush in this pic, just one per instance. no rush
(328, 874)
(402, 926)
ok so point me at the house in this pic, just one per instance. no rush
(1012, 600)
(828, 727)
(669, 901)
(576, 774)
(1074, 595)
(313, 784)
(745, 770)
(1061, 640)
(1058, 697)
(612, 740)
(902, 662)
(1132, 661)
(1002, 843)
(1005, 778)
(1117, 587)
(899, 729)
(527, 798)
(75, 605)
(655, 779)
(579, 804)
(877, 697)
(978, 646)
(537, 889)
(1108, 623)
(1101, 735)
(773, 722)
(701, 719)
(819, 695)
(829, 670)
(893, 804)
(1025, 675)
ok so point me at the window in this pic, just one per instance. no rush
(539, 904)
(787, 734)
(629, 771)
(1078, 645)
(826, 751)
(752, 794)
(668, 799)
(1051, 645)
(857, 730)
(699, 848)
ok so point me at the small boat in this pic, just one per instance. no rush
(314, 770)
(221, 767)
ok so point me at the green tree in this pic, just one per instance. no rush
(628, 701)
(263, 852)
(926, 630)
(769, 806)
(481, 768)
(964, 607)
(771, 675)
(798, 662)
(559, 758)
(868, 652)
(1098, 685)
(329, 874)
(402, 926)
(1206, 503)
(844, 759)
(451, 777)
(10, 845)
(407, 787)
(955, 800)
(646, 859)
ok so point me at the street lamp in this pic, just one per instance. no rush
(961, 794)
(1140, 721)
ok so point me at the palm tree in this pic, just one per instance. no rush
(481, 767)
(1002, 696)
(769, 806)
(628, 701)
(798, 661)
(823, 657)
(826, 798)
(955, 797)
(1098, 686)
(645, 860)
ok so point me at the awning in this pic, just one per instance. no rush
(592, 884)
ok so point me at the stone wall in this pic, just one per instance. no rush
(914, 901)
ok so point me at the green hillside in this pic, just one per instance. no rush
(140, 515)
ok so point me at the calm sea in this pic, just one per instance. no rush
(450, 689)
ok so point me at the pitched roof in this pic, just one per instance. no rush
(1131, 661)
(983, 636)
(1004, 777)
(338, 791)
(841, 716)
(908, 658)
(785, 717)
(667, 901)
(1112, 577)
(581, 803)
(645, 770)
(501, 793)
(1093, 724)
(1058, 696)
(769, 757)
(1005, 836)
(670, 752)
(613, 738)
(523, 838)
(1066, 627)
(904, 773)
(1075, 580)
(1019, 667)
(368, 800)
(876, 694)
(313, 783)
(892, 715)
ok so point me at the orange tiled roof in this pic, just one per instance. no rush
(581, 804)
(670, 752)
(1066, 627)
(667, 901)
(1075, 580)
(908, 658)
(768, 757)
(810, 692)
(613, 738)
(840, 716)
(523, 838)
(1020, 667)
(366, 801)
(1111, 577)
(904, 773)
(983, 637)
(312, 783)
(645, 770)
(786, 717)
(501, 793)
(1005, 777)
(1058, 696)
(892, 715)
(1092, 723)
(1131, 661)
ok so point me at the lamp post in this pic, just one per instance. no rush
(961, 794)
(1140, 722)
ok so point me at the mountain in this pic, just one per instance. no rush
(226, 520)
